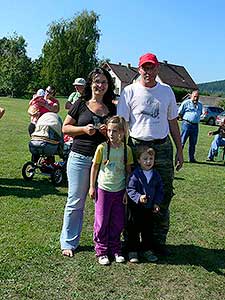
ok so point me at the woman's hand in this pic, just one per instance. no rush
(89, 129)
(103, 129)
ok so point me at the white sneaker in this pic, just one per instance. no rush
(103, 260)
(119, 258)
(133, 257)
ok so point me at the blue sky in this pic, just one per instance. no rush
(189, 33)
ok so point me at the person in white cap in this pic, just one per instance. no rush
(79, 84)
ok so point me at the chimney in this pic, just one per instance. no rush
(120, 64)
(165, 61)
(129, 65)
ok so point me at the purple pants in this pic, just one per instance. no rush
(109, 222)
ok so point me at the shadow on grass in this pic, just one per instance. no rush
(179, 178)
(85, 248)
(31, 189)
(213, 163)
(212, 260)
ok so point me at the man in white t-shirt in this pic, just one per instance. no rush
(150, 109)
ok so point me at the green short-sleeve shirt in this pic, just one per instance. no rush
(111, 176)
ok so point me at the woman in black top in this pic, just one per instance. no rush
(86, 123)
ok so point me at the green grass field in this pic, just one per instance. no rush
(31, 265)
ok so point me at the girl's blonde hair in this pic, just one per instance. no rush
(122, 125)
(120, 122)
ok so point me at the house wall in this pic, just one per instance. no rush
(117, 82)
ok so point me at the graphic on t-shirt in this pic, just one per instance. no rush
(152, 107)
(97, 122)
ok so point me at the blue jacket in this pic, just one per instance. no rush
(137, 186)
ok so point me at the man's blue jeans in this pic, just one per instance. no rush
(190, 131)
(78, 173)
(216, 143)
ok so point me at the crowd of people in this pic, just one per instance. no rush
(101, 163)
(121, 155)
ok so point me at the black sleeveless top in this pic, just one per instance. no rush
(86, 144)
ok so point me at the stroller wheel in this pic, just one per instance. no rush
(57, 177)
(28, 170)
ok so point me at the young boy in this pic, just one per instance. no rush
(145, 193)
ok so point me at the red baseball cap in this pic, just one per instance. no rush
(148, 58)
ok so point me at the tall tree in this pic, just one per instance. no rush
(14, 66)
(36, 81)
(70, 50)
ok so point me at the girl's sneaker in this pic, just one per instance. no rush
(119, 258)
(133, 257)
(103, 260)
(149, 256)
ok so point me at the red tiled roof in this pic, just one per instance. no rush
(125, 73)
(174, 75)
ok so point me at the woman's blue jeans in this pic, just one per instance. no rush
(78, 173)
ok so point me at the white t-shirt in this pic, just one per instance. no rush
(147, 110)
(148, 174)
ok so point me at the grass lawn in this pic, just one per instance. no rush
(31, 265)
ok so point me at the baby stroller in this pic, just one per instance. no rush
(46, 142)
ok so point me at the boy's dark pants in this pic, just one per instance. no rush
(139, 227)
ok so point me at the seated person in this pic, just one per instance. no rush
(47, 139)
(218, 141)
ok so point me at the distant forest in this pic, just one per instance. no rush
(216, 88)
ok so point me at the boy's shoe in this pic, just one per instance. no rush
(103, 260)
(149, 256)
(133, 257)
(119, 258)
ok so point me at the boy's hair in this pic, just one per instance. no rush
(122, 124)
(144, 148)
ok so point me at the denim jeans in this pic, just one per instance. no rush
(190, 131)
(78, 173)
(216, 143)
(38, 148)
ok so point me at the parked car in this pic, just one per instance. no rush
(220, 118)
(210, 113)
